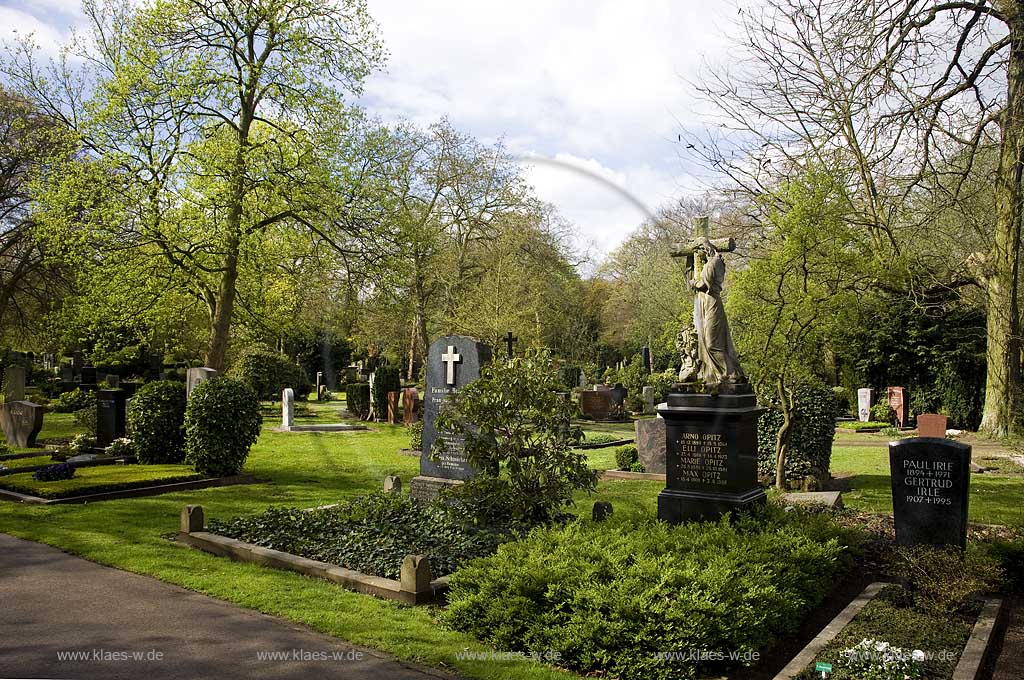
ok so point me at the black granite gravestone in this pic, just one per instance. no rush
(452, 362)
(110, 416)
(21, 422)
(931, 479)
(88, 375)
(710, 456)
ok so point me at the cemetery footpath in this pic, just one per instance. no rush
(80, 619)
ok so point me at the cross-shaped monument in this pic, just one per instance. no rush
(450, 358)
(687, 250)
(509, 341)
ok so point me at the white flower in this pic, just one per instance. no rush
(881, 646)
(917, 655)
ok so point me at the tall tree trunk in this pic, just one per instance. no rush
(1003, 379)
(220, 329)
(783, 435)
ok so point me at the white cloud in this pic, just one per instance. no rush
(600, 84)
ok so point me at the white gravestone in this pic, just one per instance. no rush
(864, 396)
(195, 376)
(287, 408)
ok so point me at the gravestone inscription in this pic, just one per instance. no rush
(453, 361)
(111, 409)
(21, 422)
(931, 481)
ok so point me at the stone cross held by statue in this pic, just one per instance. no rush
(509, 341)
(451, 358)
(722, 245)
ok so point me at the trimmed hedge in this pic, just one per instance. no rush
(267, 373)
(626, 456)
(222, 422)
(385, 379)
(810, 442)
(75, 400)
(632, 600)
(357, 399)
(156, 420)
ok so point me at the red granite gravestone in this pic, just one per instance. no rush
(899, 403)
(410, 405)
(596, 405)
(392, 408)
(932, 425)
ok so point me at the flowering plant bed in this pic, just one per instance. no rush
(892, 639)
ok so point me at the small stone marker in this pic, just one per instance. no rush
(410, 405)
(393, 484)
(932, 425)
(830, 499)
(650, 443)
(899, 403)
(648, 395)
(14, 383)
(602, 511)
(195, 376)
(88, 375)
(931, 481)
(415, 574)
(192, 519)
(287, 408)
(21, 422)
(864, 397)
(596, 404)
(111, 421)
(392, 408)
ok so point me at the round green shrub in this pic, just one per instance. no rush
(88, 419)
(75, 400)
(569, 376)
(883, 413)
(385, 379)
(357, 398)
(222, 422)
(625, 456)
(810, 442)
(267, 373)
(156, 419)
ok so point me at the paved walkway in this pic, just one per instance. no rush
(114, 624)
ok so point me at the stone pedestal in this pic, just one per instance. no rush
(710, 456)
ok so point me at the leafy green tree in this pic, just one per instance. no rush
(213, 126)
(797, 293)
(519, 430)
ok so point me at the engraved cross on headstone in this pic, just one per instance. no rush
(450, 358)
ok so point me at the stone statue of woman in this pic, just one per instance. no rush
(719, 362)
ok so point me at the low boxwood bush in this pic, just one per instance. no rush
(633, 600)
(810, 443)
(626, 456)
(371, 534)
(222, 422)
(357, 398)
(945, 580)
(75, 400)
(156, 419)
(54, 473)
(87, 418)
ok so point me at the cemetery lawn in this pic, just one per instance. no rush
(99, 478)
(13, 463)
(995, 497)
(304, 470)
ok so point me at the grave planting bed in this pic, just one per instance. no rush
(95, 482)
(883, 623)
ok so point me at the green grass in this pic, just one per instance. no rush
(26, 462)
(303, 470)
(994, 498)
(96, 479)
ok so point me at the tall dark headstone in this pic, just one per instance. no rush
(710, 455)
(931, 480)
(89, 376)
(452, 362)
(110, 416)
(21, 422)
(900, 404)
(646, 354)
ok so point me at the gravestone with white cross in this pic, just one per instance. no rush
(452, 362)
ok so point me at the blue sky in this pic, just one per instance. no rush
(600, 85)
